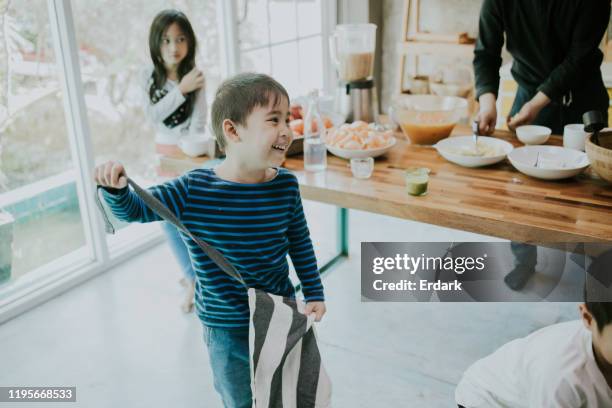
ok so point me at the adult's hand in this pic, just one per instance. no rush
(487, 114)
(525, 116)
(529, 111)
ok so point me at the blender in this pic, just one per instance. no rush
(352, 49)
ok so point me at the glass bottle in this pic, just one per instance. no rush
(315, 151)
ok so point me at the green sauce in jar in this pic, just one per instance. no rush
(416, 180)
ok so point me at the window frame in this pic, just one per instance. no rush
(328, 23)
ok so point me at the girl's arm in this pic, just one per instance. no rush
(157, 112)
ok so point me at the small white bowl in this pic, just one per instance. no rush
(554, 162)
(446, 146)
(193, 146)
(360, 153)
(533, 134)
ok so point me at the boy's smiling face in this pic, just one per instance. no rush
(263, 141)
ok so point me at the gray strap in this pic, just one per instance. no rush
(167, 215)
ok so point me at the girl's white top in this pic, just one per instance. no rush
(158, 112)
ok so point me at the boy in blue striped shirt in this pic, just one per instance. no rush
(248, 208)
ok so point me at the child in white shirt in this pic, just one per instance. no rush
(172, 89)
(566, 365)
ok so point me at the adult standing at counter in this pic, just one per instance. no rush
(556, 63)
(556, 60)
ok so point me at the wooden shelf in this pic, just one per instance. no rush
(428, 48)
(416, 43)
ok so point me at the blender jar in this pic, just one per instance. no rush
(352, 51)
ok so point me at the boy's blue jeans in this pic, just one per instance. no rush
(179, 249)
(228, 351)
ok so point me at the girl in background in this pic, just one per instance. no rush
(174, 103)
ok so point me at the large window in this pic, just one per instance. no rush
(112, 63)
(49, 144)
(40, 219)
(69, 99)
(286, 39)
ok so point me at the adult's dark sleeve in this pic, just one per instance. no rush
(487, 54)
(591, 24)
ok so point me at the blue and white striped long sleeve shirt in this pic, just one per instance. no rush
(254, 226)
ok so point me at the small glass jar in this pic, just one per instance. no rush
(362, 168)
(416, 180)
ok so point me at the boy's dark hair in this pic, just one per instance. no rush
(239, 95)
(601, 311)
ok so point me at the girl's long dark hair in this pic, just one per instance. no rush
(160, 24)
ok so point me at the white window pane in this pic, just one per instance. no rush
(285, 67)
(40, 218)
(256, 61)
(282, 20)
(311, 63)
(253, 31)
(309, 17)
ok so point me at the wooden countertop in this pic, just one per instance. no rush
(495, 200)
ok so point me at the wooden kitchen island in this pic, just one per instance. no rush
(496, 200)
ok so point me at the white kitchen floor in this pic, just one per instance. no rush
(123, 342)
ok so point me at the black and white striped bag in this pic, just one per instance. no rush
(286, 367)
